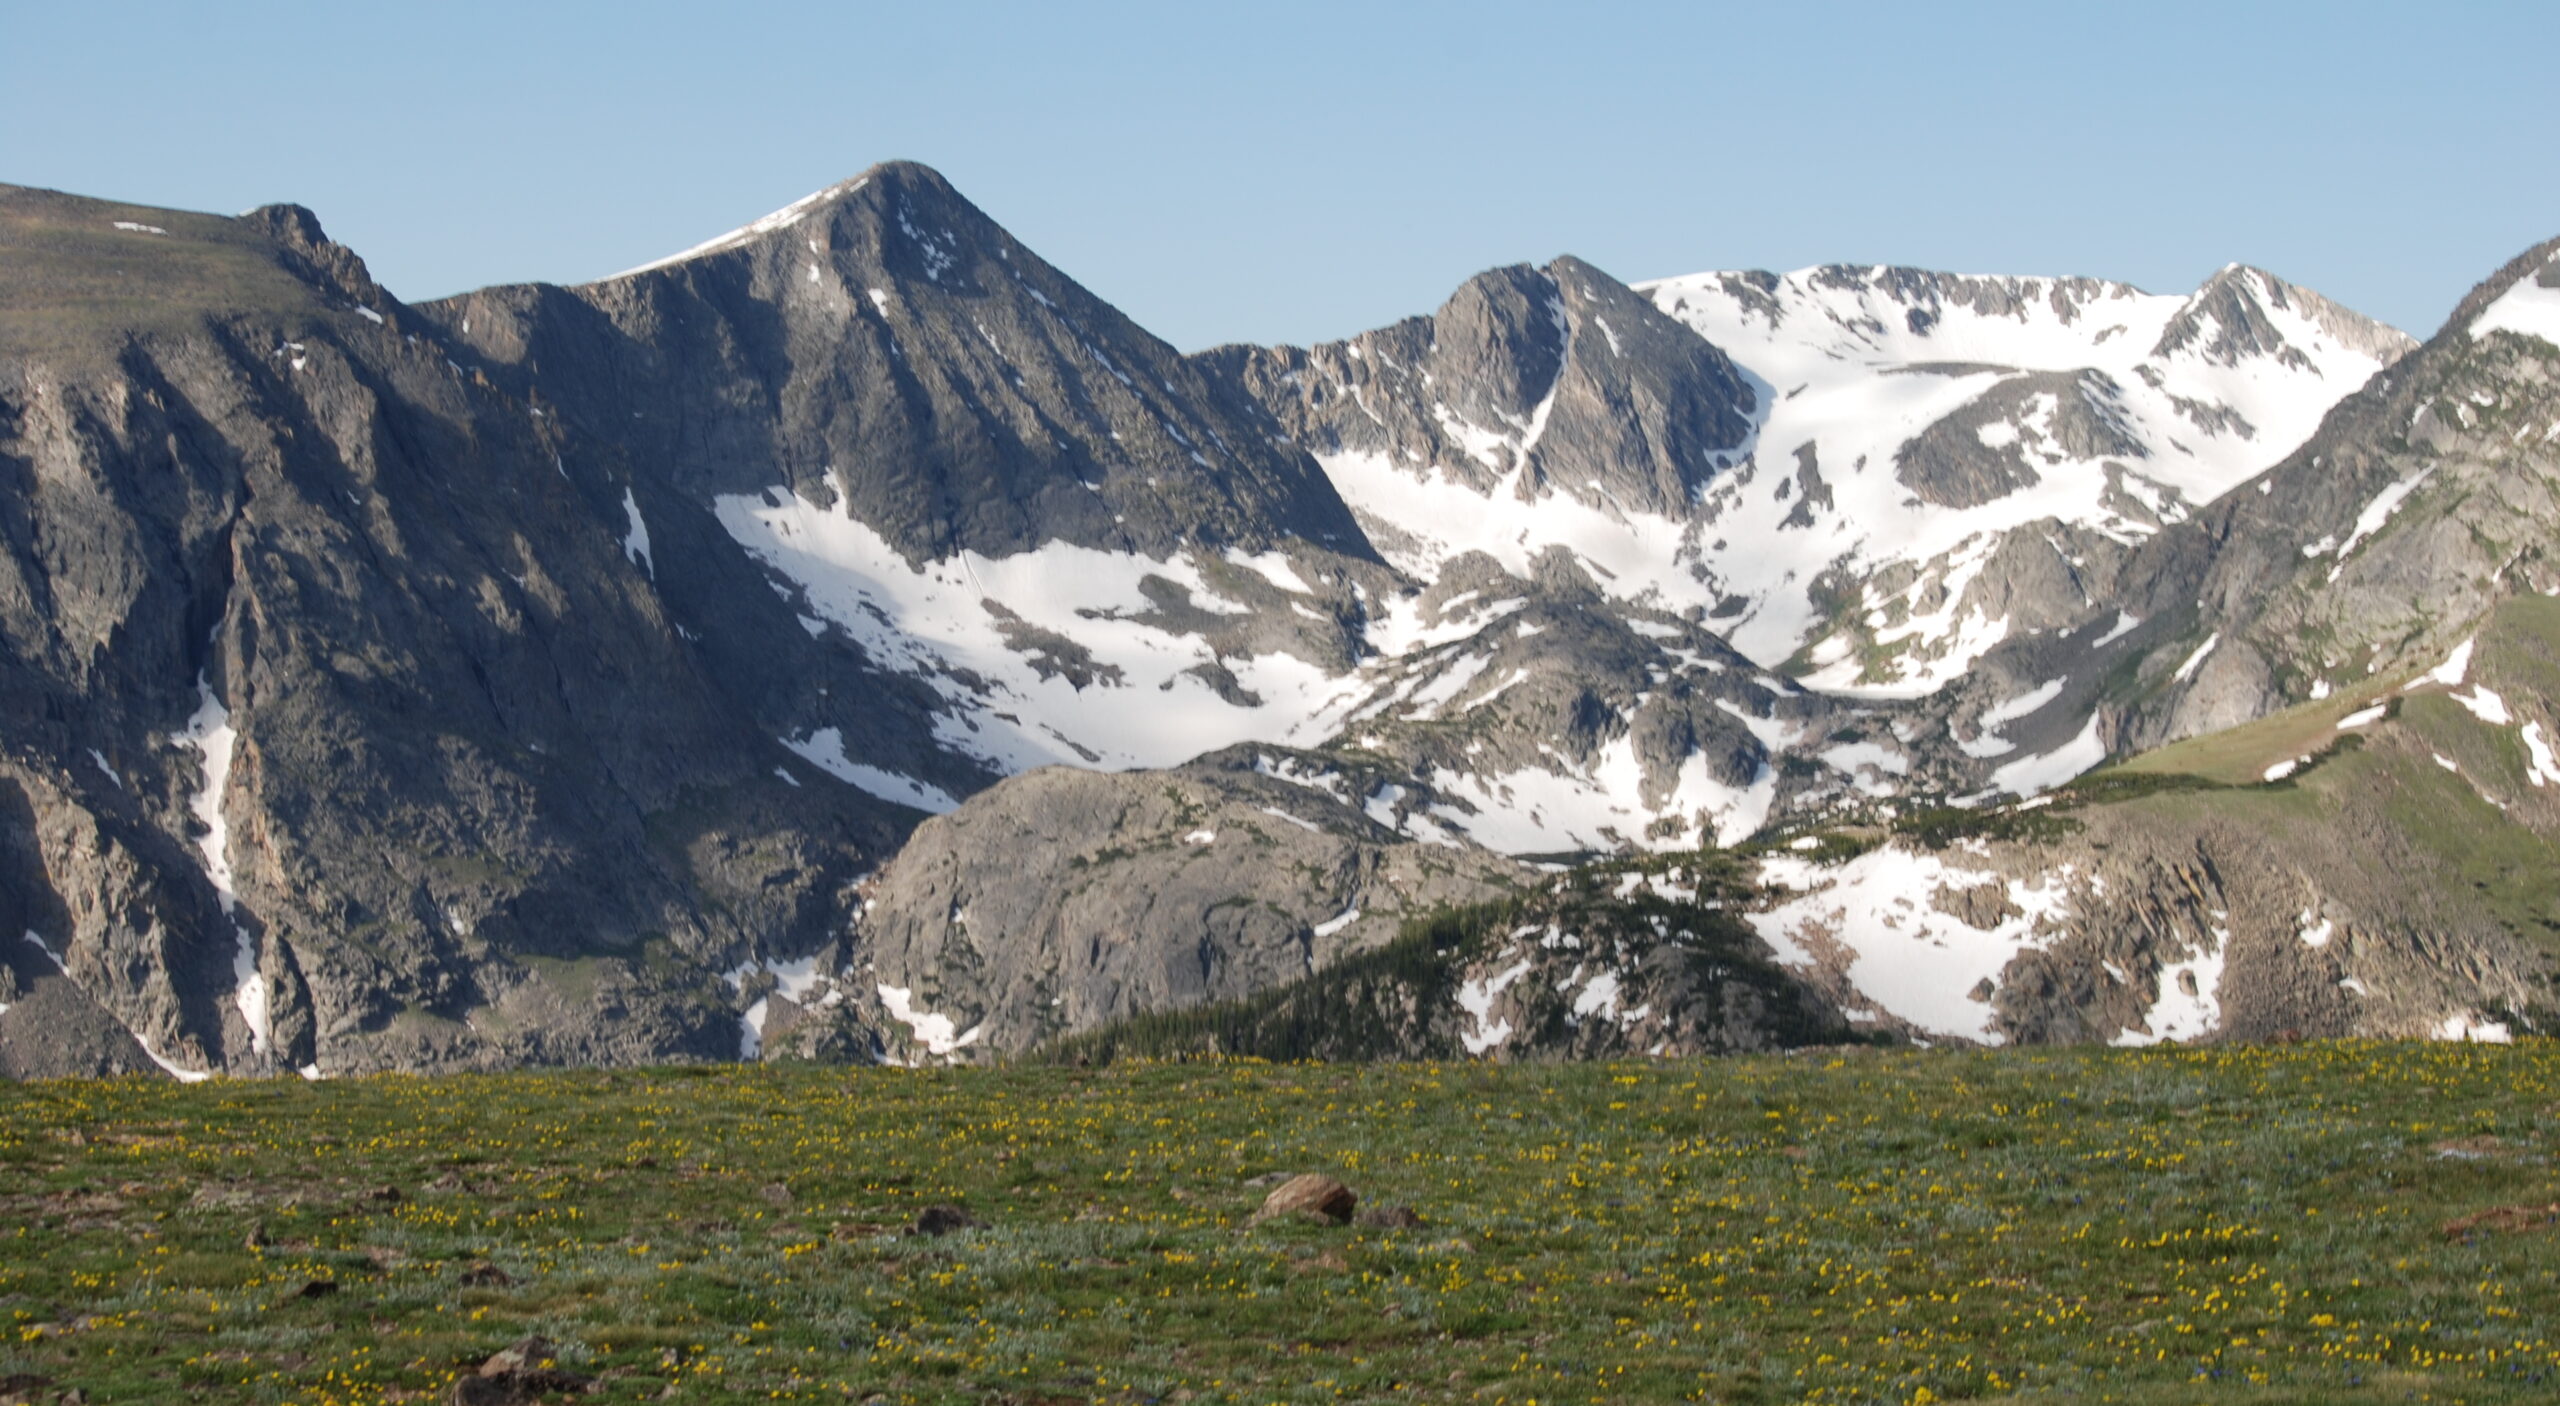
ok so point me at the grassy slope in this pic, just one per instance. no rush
(2389, 778)
(2249, 1224)
(71, 283)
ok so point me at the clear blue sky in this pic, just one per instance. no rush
(1295, 172)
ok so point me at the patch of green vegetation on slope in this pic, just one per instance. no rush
(2342, 1223)
(79, 276)
(2432, 793)
(2240, 756)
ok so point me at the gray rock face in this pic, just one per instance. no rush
(1560, 376)
(344, 728)
(885, 340)
(1954, 463)
(1060, 900)
(1612, 961)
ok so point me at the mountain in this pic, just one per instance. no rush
(852, 638)
(2372, 549)
(2370, 552)
(1952, 458)
(347, 725)
(2337, 682)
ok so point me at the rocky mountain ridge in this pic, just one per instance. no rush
(564, 673)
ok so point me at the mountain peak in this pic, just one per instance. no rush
(911, 180)
(2537, 268)
(2242, 311)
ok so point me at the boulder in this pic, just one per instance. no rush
(1311, 1193)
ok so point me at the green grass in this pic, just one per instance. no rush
(2240, 756)
(2249, 1224)
(74, 285)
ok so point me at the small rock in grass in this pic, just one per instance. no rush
(515, 1388)
(1312, 1193)
(518, 1375)
(1391, 1218)
(942, 1220)
(485, 1275)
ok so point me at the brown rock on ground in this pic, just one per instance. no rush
(518, 1375)
(1312, 1193)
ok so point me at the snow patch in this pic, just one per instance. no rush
(2194, 661)
(2484, 703)
(2125, 624)
(2455, 667)
(635, 542)
(1475, 997)
(2473, 1029)
(210, 734)
(824, 749)
(783, 218)
(2178, 1013)
(2023, 705)
(1905, 956)
(973, 629)
(2540, 766)
(1599, 996)
(2527, 308)
(1278, 814)
(939, 1034)
(2029, 775)
(2377, 512)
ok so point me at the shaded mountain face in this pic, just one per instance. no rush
(885, 343)
(564, 674)
(347, 725)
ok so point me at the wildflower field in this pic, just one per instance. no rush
(2315, 1223)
